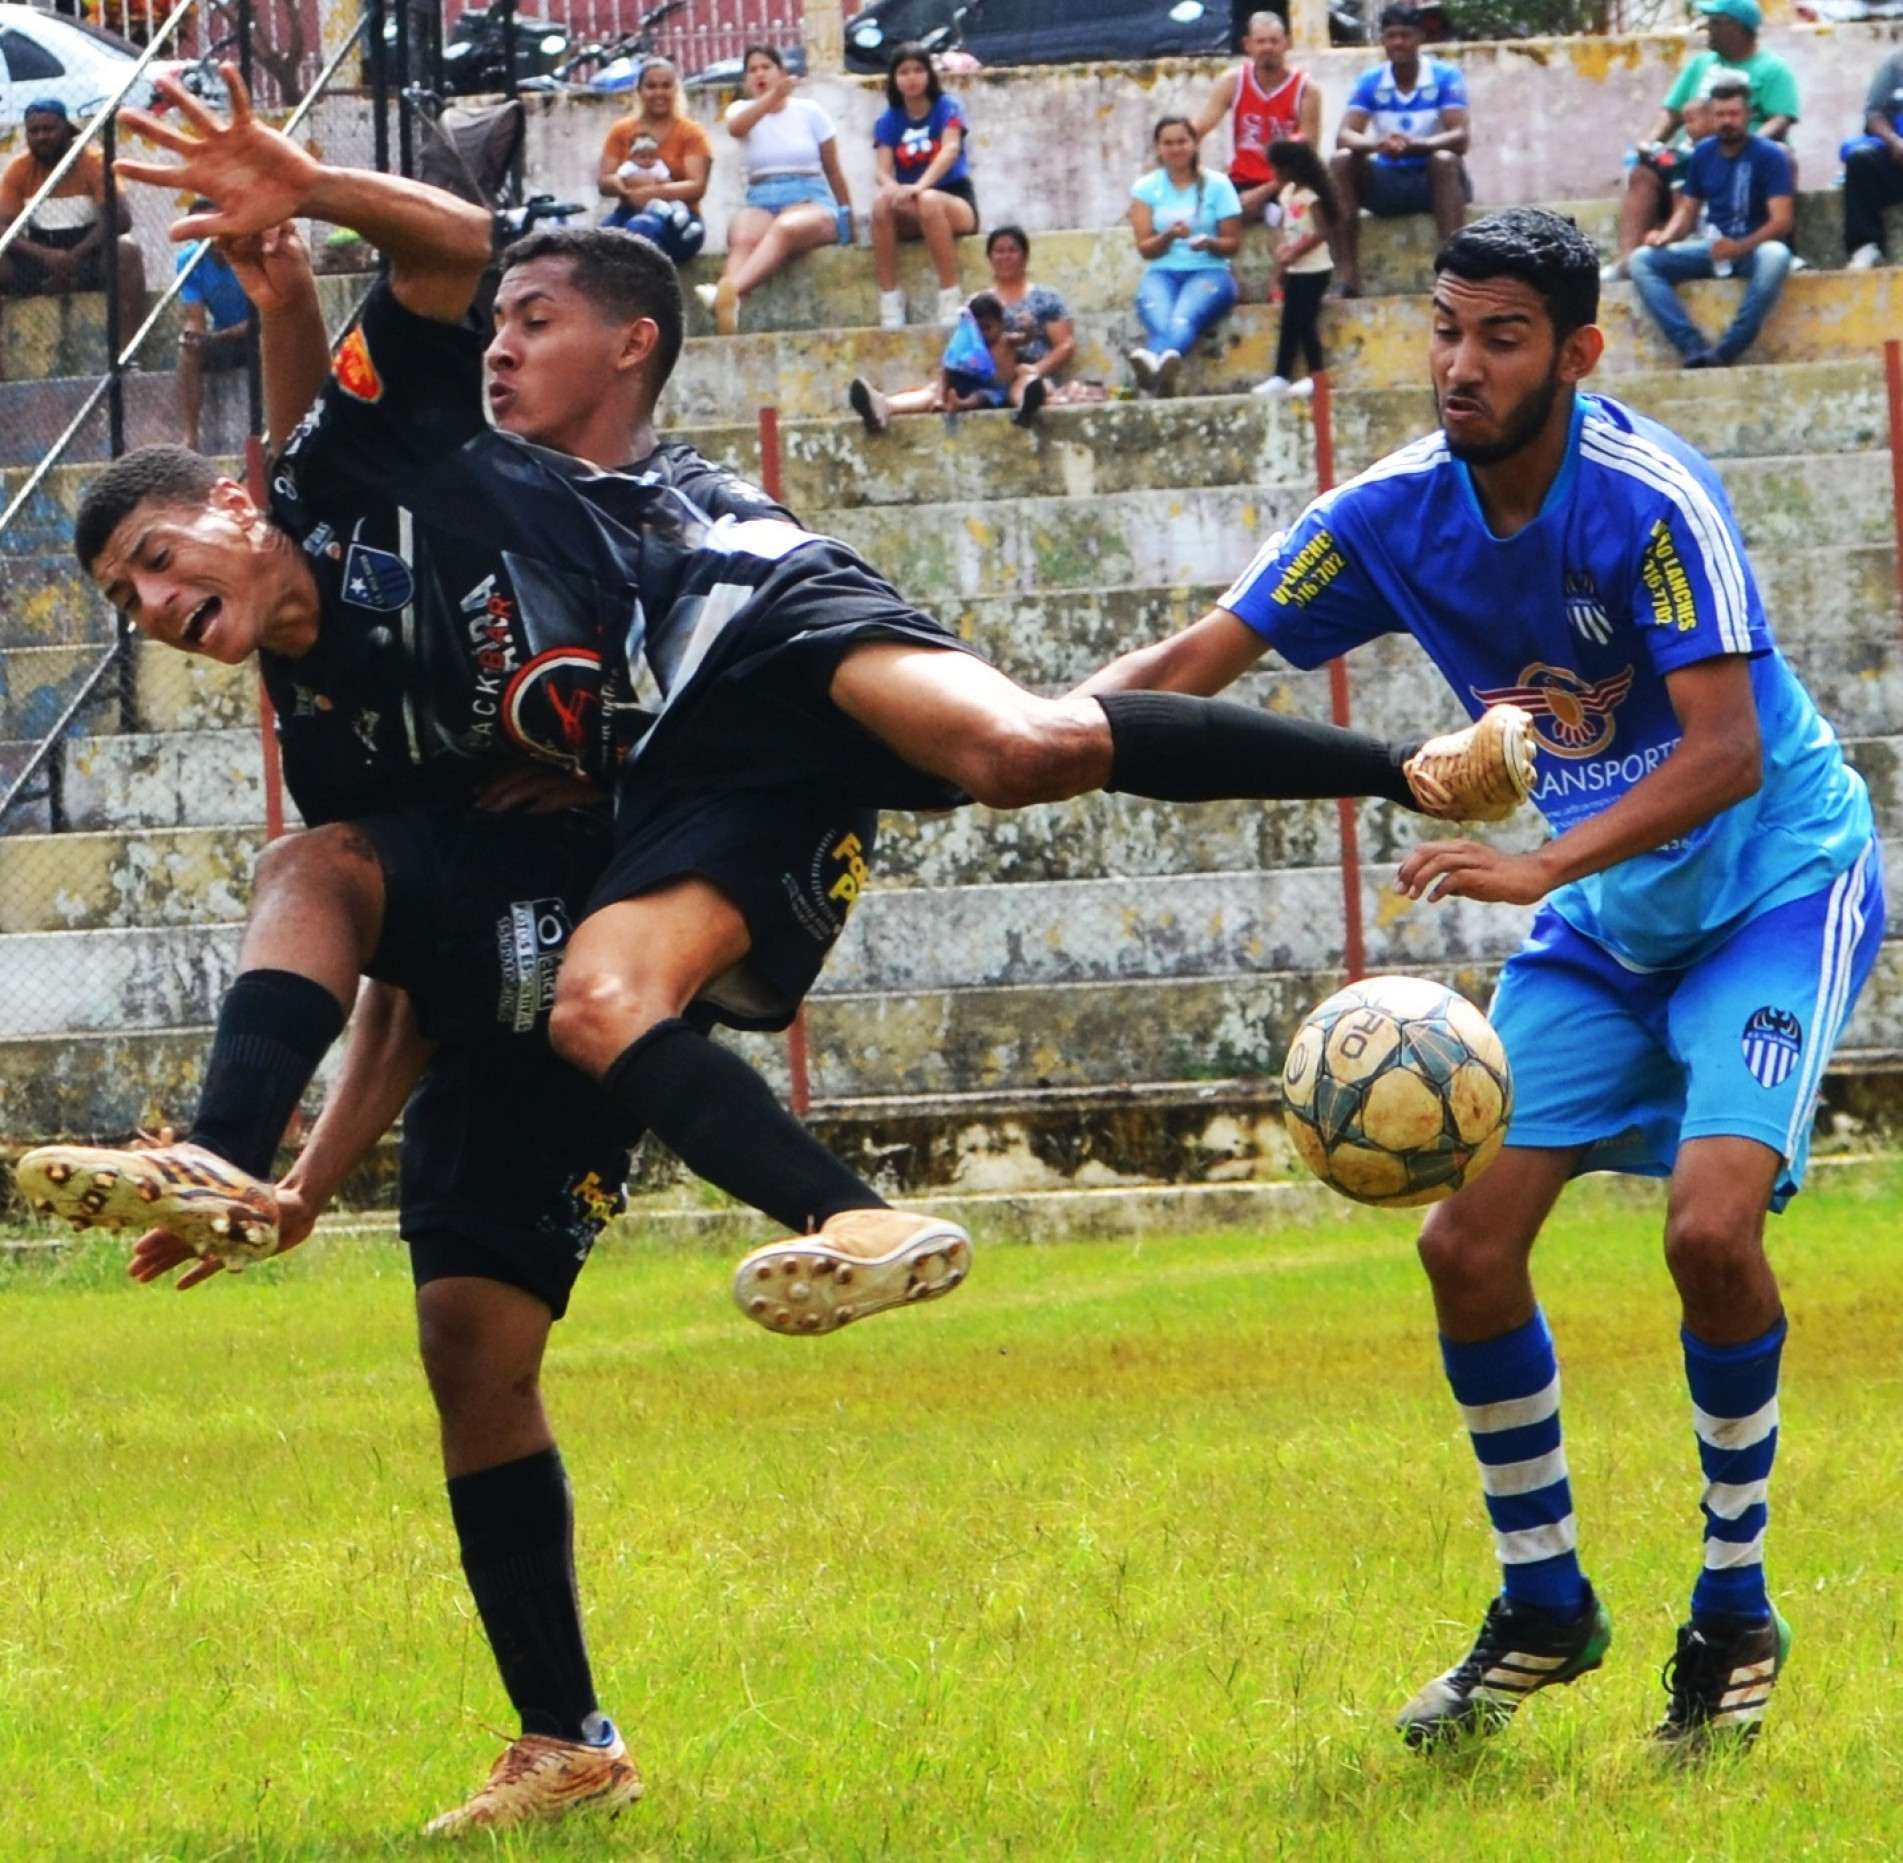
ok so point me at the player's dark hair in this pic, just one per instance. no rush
(1008, 231)
(149, 475)
(1296, 161)
(986, 306)
(761, 51)
(1729, 87)
(621, 274)
(912, 53)
(1541, 249)
(1400, 14)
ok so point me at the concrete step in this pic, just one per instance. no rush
(1371, 343)
(171, 691)
(45, 601)
(33, 415)
(106, 879)
(166, 779)
(1096, 269)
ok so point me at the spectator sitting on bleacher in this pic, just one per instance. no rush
(1266, 100)
(1188, 222)
(217, 332)
(1036, 318)
(60, 248)
(1742, 183)
(1659, 159)
(1873, 167)
(796, 192)
(1400, 142)
(922, 146)
(981, 368)
(654, 167)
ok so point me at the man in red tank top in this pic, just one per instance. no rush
(1264, 98)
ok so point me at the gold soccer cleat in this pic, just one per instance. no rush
(542, 1778)
(861, 1262)
(212, 1206)
(1481, 774)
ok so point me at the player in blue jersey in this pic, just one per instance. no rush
(1709, 908)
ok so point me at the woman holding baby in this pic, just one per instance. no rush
(654, 167)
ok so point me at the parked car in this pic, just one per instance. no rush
(47, 55)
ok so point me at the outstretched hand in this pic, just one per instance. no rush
(254, 175)
(158, 1251)
(1471, 870)
(273, 266)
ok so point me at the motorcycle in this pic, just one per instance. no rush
(497, 48)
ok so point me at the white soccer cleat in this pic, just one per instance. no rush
(860, 1262)
(214, 1208)
(1481, 774)
(540, 1778)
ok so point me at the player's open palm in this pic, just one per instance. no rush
(254, 175)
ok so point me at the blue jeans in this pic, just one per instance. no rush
(1658, 271)
(672, 225)
(1177, 307)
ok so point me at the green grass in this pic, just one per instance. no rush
(1130, 1550)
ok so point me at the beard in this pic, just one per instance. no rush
(1522, 424)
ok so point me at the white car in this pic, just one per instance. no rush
(45, 54)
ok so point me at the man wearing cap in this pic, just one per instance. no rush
(1731, 31)
(1742, 184)
(1401, 139)
(61, 248)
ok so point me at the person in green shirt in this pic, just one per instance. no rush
(1731, 31)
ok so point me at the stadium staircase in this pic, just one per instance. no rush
(1095, 993)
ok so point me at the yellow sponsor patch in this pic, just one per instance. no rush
(1667, 586)
(1312, 568)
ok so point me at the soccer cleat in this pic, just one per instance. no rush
(212, 1206)
(1519, 1650)
(542, 1778)
(1720, 1679)
(1481, 774)
(861, 1262)
(869, 405)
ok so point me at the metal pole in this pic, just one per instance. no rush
(405, 143)
(1353, 936)
(508, 47)
(253, 371)
(109, 264)
(379, 90)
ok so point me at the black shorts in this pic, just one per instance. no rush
(512, 1160)
(961, 191)
(793, 865)
(30, 276)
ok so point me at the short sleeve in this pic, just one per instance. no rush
(1685, 85)
(885, 132)
(1047, 306)
(1362, 96)
(1224, 202)
(1693, 598)
(1693, 183)
(1306, 595)
(1775, 166)
(1775, 91)
(1143, 189)
(1453, 87)
(192, 291)
(620, 139)
(824, 129)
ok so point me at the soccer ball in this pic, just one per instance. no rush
(1396, 1091)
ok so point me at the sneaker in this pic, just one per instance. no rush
(542, 1778)
(1036, 390)
(1304, 390)
(951, 300)
(1612, 271)
(1481, 774)
(214, 1208)
(1274, 389)
(1169, 366)
(1866, 258)
(1720, 1679)
(869, 405)
(707, 294)
(891, 310)
(1519, 1650)
(861, 1262)
(1143, 367)
(726, 307)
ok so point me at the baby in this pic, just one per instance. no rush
(644, 162)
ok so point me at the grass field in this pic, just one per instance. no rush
(1130, 1550)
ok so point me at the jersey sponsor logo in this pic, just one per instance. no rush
(1309, 571)
(1773, 1039)
(1584, 609)
(378, 579)
(1571, 717)
(356, 374)
(1667, 586)
(552, 707)
(530, 939)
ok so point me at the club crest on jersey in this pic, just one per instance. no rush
(552, 707)
(356, 374)
(1773, 1039)
(1571, 716)
(378, 579)
(1584, 609)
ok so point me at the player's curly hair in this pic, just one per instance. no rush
(159, 475)
(621, 274)
(1542, 249)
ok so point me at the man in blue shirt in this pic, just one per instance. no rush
(1401, 139)
(1742, 184)
(1709, 908)
(217, 332)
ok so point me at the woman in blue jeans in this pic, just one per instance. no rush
(1187, 220)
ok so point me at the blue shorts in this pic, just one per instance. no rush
(776, 193)
(1395, 188)
(1633, 1063)
(994, 394)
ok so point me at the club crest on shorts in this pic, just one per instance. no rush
(377, 579)
(530, 940)
(1773, 1038)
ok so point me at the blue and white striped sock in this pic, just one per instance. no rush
(1734, 1411)
(1508, 1392)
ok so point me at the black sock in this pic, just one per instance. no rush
(517, 1528)
(1176, 748)
(721, 1120)
(274, 1027)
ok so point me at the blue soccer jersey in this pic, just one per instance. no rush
(1633, 569)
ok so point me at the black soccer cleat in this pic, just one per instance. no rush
(1720, 1679)
(1520, 1649)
